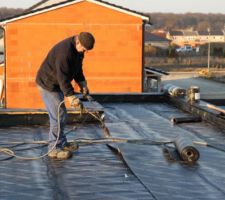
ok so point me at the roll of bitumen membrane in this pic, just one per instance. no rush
(178, 120)
(174, 90)
(186, 149)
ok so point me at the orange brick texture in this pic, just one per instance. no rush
(113, 66)
(1, 71)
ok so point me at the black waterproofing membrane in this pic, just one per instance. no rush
(133, 171)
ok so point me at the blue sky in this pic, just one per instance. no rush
(176, 6)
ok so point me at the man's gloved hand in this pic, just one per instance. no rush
(75, 102)
(84, 88)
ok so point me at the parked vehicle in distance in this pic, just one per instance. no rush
(184, 49)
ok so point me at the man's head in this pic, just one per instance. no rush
(85, 41)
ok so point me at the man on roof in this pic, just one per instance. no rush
(62, 65)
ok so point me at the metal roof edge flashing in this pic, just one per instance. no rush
(128, 97)
(199, 109)
(8, 119)
(15, 117)
(23, 116)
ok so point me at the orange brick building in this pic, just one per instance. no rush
(114, 66)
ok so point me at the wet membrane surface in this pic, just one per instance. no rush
(97, 172)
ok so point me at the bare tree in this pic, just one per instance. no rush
(197, 21)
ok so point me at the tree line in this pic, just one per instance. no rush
(195, 21)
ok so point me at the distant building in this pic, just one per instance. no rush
(156, 41)
(213, 36)
(195, 38)
(176, 37)
(161, 33)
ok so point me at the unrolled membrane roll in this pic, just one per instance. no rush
(186, 149)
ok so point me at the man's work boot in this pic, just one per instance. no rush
(64, 154)
(60, 154)
(53, 154)
(73, 146)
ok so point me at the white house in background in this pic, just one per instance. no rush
(213, 36)
(156, 41)
(176, 37)
(190, 37)
(195, 38)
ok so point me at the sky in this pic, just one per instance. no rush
(174, 6)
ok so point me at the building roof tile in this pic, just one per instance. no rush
(176, 33)
(154, 37)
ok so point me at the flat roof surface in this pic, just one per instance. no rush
(98, 172)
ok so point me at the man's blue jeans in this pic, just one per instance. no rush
(52, 101)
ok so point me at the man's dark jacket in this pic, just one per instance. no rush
(62, 64)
